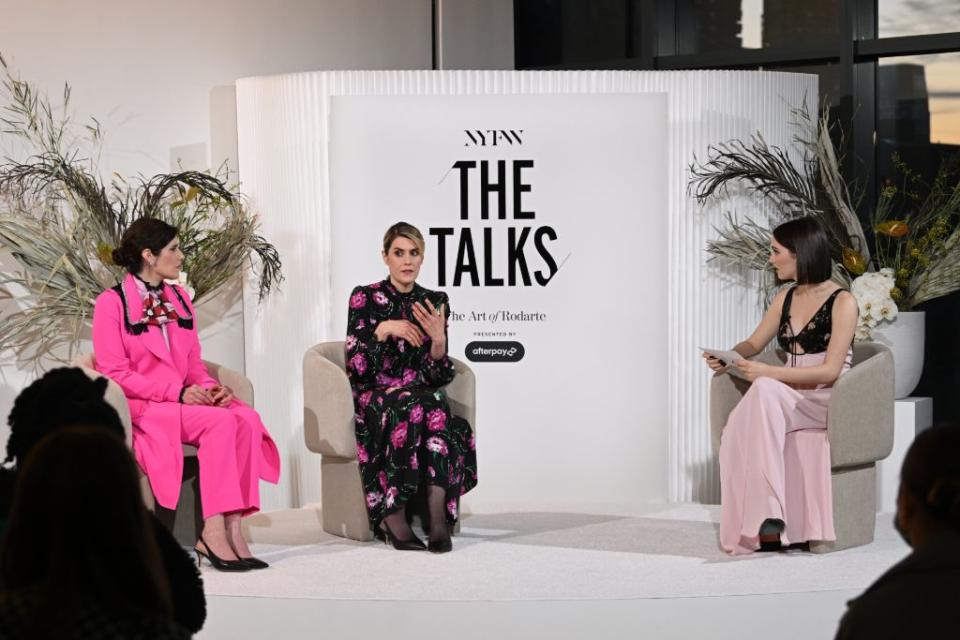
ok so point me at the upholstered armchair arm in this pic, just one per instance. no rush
(114, 394)
(462, 393)
(327, 405)
(860, 421)
(241, 385)
(726, 391)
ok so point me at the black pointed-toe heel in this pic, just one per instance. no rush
(443, 545)
(218, 563)
(440, 546)
(771, 527)
(254, 563)
(770, 545)
(385, 534)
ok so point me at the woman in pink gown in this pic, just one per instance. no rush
(774, 453)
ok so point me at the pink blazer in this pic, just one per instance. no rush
(151, 376)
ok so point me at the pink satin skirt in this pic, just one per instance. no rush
(775, 463)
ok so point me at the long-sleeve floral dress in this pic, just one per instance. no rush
(406, 434)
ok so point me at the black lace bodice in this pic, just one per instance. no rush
(812, 338)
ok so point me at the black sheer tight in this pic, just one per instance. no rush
(436, 505)
(436, 514)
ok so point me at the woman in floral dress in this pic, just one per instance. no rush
(407, 439)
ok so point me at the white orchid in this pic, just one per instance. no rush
(888, 312)
(872, 291)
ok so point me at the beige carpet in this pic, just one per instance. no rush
(543, 556)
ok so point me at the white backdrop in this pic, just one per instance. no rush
(283, 139)
(162, 106)
(583, 411)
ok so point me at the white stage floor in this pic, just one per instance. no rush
(533, 573)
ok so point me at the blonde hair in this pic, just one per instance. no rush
(403, 230)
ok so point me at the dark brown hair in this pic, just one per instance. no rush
(808, 241)
(144, 233)
(403, 230)
(931, 473)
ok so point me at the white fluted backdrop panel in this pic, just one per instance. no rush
(282, 124)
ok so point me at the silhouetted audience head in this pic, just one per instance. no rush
(62, 397)
(78, 532)
(917, 597)
(104, 534)
(929, 497)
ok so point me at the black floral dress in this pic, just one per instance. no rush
(406, 435)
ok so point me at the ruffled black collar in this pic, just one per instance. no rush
(156, 288)
(136, 328)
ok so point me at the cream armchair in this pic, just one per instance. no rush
(329, 430)
(187, 521)
(859, 429)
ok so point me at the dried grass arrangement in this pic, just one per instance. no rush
(815, 187)
(919, 238)
(60, 222)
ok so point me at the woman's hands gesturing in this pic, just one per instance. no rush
(752, 370)
(715, 363)
(432, 320)
(399, 329)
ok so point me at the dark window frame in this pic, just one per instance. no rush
(857, 52)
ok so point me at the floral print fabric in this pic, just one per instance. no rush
(815, 336)
(406, 435)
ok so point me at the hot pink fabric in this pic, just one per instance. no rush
(235, 450)
(775, 463)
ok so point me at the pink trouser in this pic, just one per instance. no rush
(228, 441)
(775, 463)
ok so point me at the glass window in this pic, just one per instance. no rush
(917, 17)
(538, 25)
(552, 32)
(723, 25)
(918, 112)
(829, 80)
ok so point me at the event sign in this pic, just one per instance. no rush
(545, 221)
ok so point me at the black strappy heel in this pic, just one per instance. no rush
(218, 563)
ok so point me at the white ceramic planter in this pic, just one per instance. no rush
(904, 337)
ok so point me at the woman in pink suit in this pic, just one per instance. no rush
(775, 490)
(145, 339)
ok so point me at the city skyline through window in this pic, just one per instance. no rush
(937, 79)
(917, 17)
(939, 74)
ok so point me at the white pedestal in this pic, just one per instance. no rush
(911, 416)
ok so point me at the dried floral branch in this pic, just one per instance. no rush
(60, 223)
(921, 247)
